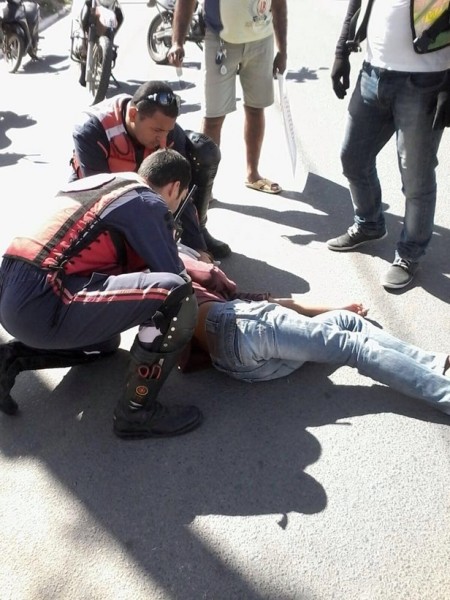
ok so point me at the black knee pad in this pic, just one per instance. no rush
(202, 152)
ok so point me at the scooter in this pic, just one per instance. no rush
(159, 35)
(19, 31)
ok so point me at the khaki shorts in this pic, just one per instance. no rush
(255, 62)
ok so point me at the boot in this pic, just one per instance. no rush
(217, 248)
(138, 414)
(16, 357)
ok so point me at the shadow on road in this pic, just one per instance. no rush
(11, 120)
(248, 458)
(45, 64)
(332, 216)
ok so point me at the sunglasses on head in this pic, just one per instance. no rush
(163, 99)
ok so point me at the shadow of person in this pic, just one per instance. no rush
(325, 403)
(123, 87)
(242, 268)
(131, 85)
(156, 496)
(189, 108)
(11, 120)
(301, 75)
(10, 158)
(332, 214)
(330, 210)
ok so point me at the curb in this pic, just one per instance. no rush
(48, 21)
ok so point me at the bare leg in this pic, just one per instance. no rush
(254, 129)
(253, 135)
(212, 127)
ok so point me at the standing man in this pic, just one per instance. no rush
(117, 134)
(104, 260)
(239, 39)
(400, 90)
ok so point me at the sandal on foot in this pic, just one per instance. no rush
(264, 185)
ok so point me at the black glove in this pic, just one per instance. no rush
(442, 112)
(340, 76)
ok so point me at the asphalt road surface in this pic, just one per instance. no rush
(321, 486)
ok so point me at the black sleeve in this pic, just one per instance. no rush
(91, 146)
(341, 49)
(191, 235)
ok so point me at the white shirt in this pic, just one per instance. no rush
(389, 40)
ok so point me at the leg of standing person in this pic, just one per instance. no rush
(370, 125)
(254, 129)
(262, 341)
(212, 127)
(255, 73)
(417, 147)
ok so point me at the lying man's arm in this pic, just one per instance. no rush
(312, 310)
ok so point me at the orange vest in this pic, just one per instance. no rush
(121, 154)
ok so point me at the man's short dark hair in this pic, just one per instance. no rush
(166, 166)
(148, 99)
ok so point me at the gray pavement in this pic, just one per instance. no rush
(321, 486)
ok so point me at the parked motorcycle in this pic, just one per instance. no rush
(92, 37)
(19, 31)
(159, 35)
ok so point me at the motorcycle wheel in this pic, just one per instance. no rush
(102, 57)
(14, 49)
(157, 48)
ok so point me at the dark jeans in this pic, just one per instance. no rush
(383, 103)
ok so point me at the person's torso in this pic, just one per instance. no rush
(74, 237)
(122, 151)
(239, 21)
(390, 39)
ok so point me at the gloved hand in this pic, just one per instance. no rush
(340, 76)
(442, 112)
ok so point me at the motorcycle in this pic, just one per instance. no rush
(19, 31)
(159, 35)
(92, 44)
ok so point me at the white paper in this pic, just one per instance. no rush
(299, 167)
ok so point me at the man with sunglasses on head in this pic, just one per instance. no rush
(120, 132)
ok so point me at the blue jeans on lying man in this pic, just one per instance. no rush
(259, 341)
(383, 103)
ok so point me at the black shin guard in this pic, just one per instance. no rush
(138, 413)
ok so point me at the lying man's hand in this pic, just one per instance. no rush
(205, 256)
(357, 307)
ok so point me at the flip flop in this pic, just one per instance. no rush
(264, 185)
